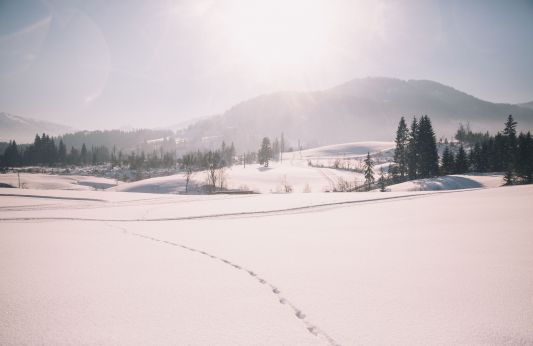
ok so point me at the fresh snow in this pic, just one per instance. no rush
(297, 174)
(450, 182)
(344, 150)
(56, 182)
(416, 268)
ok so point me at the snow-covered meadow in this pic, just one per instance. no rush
(101, 267)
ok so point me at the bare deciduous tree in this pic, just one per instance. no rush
(188, 165)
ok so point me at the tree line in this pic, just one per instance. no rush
(45, 152)
(416, 155)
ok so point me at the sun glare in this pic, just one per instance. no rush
(281, 33)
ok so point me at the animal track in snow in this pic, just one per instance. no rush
(311, 328)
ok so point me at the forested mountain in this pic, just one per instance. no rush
(526, 105)
(362, 109)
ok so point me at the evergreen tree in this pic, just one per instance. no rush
(73, 157)
(381, 181)
(368, 170)
(231, 154)
(461, 161)
(510, 142)
(401, 152)
(11, 155)
(394, 174)
(224, 153)
(498, 153)
(524, 158)
(275, 149)
(84, 156)
(475, 158)
(62, 152)
(428, 157)
(412, 151)
(448, 162)
(509, 177)
(265, 152)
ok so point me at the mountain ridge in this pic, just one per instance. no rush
(24, 129)
(357, 110)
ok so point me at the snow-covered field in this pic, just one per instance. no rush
(56, 182)
(408, 268)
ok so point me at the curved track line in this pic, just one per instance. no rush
(235, 214)
(298, 313)
(53, 197)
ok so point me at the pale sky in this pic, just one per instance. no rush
(107, 64)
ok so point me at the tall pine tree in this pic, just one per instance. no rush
(401, 153)
(428, 157)
(448, 162)
(510, 142)
(412, 151)
(368, 170)
(461, 161)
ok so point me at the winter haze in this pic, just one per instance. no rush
(282, 172)
(101, 65)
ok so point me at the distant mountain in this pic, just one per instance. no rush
(23, 130)
(182, 124)
(526, 105)
(360, 110)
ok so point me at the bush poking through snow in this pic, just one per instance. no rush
(285, 186)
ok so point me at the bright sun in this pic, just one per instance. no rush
(280, 33)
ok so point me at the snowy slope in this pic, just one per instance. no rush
(56, 182)
(370, 271)
(296, 173)
(451, 182)
(344, 150)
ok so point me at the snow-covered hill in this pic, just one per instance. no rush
(450, 182)
(296, 175)
(345, 150)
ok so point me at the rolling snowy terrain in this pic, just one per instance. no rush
(418, 268)
(56, 182)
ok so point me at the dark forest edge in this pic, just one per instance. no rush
(416, 155)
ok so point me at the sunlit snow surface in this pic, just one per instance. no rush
(422, 268)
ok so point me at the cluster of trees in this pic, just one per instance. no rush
(416, 154)
(465, 135)
(155, 159)
(45, 151)
(264, 155)
(141, 139)
(271, 150)
(212, 161)
(507, 152)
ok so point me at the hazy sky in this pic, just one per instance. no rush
(104, 64)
